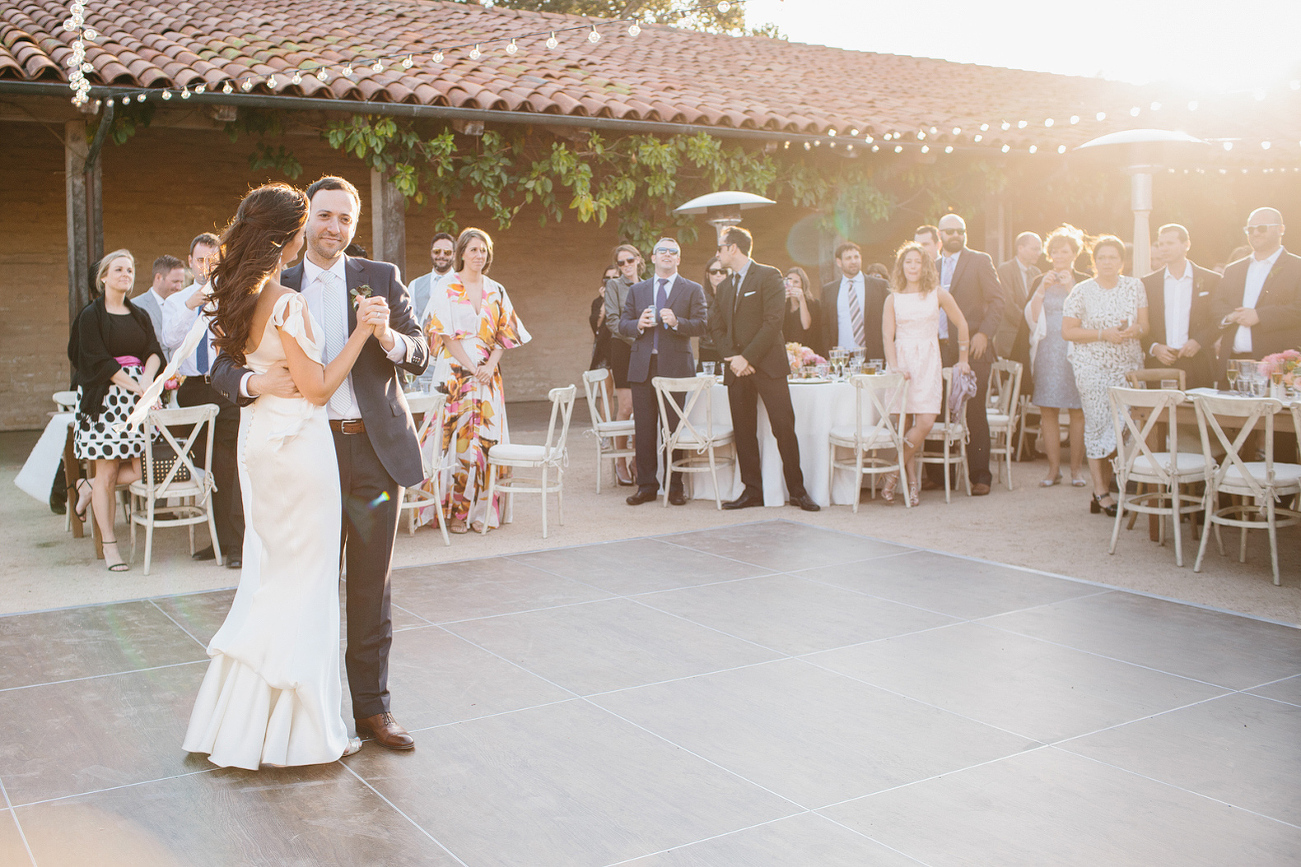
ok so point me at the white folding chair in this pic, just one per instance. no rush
(548, 458)
(880, 395)
(697, 441)
(1027, 425)
(429, 494)
(193, 496)
(1262, 482)
(605, 427)
(951, 433)
(1135, 413)
(1001, 410)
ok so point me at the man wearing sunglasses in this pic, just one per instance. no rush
(661, 315)
(746, 322)
(1258, 304)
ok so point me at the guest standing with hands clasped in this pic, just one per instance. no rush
(661, 315)
(1104, 318)
(113, 349)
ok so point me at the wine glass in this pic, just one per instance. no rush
(1232, 373)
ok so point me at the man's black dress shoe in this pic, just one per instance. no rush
(744, 501)
(643, 495)
(677, 498)
(206, 554)
(805, 502)
(234, 563)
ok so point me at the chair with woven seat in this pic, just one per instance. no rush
(180, 475)
(875, 397)
(1260, 483)
(697, 439)
(951, 434)
(605, 427)
(1162, 474)
(1001, 410)
(549, 458)
(429, 494)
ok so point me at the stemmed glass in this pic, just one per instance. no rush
(1232, 373)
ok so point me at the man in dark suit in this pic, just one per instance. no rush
(1179, 298)
(662, 314)
(852, 305)
(972, 281)
(1017, 274)
(746, 322)
(1257, 306)
(374, 436)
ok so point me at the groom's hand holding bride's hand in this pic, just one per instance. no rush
(373, 315)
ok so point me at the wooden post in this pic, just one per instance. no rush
(388, 220)
(995, 227)
(75, 150)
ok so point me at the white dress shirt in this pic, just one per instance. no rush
(947, 264)
(177, 321)
(1257, 271)
(655, 291)
(844, 319)
(1178, 306)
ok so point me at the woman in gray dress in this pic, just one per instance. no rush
(629, 262)
(1054, 378)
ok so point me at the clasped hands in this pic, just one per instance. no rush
(373, 315)
(1245, 316)
(1168, 354)
(1120, 335)
(647, 319)
(740, 367)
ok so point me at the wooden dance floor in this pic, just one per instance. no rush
(761, 694)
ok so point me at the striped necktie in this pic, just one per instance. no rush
(856, 313)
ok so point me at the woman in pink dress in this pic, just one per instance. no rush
(910, 325)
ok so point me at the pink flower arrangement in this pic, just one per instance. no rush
(173, 383)
(1286, 363)
(798, 356)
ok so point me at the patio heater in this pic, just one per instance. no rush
(723, 208)
(1142, 152)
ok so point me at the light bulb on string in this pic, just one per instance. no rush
(634, 29)
(438, 57)
(200, 88)
(957, 130)
(1022, 124)
(1265, 145)
(552, 42)
(1006, 125)
(1006, 148)
(1061, 149)
(347, 71)
(1102, 115)
(1034, 149)
(378, 66)
(1228, 145)
(876, 149)
(297, 78)
(271, 82)
(926, 149)
(185, 92)
(512, 49)
(89, 35)
(898, 149)
(724, 7)
(1075, 118)
(948, 149)
(977, 138)
(126, 100)
(593, 37)
(1135, 111)
(475, 53)
(984, 127)
(247, 85)
(808, 147)
(226, 88)
(854, 133)
(1049, 122)
(167, 94)
(322, 75)
(408, 62)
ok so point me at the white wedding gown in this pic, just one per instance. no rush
(272, 693)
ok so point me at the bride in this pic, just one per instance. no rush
(272, 693)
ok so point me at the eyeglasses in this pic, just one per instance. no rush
(1260, 229)
(672, 251)
(623, 262)
(953, 231)
(717, 271)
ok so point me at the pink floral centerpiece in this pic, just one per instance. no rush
(798, 355)
(1287, 363)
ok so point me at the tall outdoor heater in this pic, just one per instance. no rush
(723, 208)
(1142, 152)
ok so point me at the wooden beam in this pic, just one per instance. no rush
(388, 220)
(75, 151)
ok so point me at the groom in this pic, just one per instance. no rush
(374, 437)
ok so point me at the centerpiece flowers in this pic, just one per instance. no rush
(1287, 364)
(798, 356)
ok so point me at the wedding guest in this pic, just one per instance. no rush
(803, 320)
(1179, 299)
(1054, 377)
(114, 353)
(852, 315)
(909, 329)
(1012, 340)
(169, 277)
(629, 262)
(928, 237)
(440, 253)
(179, 313)
(876, 269)
(1104, 319)
(601, 335)
(475, 323)
(1257, 307)
(715, 274)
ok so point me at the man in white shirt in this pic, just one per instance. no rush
(179, 312)
(852, 305)
(1258, 304)
(1179, 298)
(441, 252)
(169, 277)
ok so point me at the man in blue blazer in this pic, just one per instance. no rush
(661, 314)
(374, 436)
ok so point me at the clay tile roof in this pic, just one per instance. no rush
(663, 75)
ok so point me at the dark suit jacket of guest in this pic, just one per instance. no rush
(686, 299)
(1279, 306)
(752, 326)
(979, 293)
(1015, 296)
(1201, 323)
(875, 291)
(375, 379)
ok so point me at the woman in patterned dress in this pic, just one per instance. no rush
(113, 350)
(1104, 319)
(472, 324)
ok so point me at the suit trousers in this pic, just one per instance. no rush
(646, 421)
(370, 524)
(227, 500)
(743, 397)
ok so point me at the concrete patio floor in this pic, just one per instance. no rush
(758, 693)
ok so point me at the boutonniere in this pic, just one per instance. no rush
(1278, 266)
(360, 292)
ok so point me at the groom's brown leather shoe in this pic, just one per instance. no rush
(386, 731)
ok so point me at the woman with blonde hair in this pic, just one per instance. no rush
(910, 329)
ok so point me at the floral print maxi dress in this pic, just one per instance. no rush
(1099, 365)
(475, 417)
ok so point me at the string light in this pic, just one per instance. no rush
(246, 86)
(271, 81)
(438, 57)
(984, 127)
(594, 37)
(322, 75)
(475, 53)
(957, 130)
(1061, 149)
(948, 149)
(1022, 124)
(553, 41)
(1048, 122)
(1075, 118)
(408, 62)
(1006, 148)
(724, 7)
(1034, 149)
(226, 88)
(512, 49)
(898, 149)
(347, 71)
(1134, 112)
(378, 66)
(297, 78)
(200, 88)
(634, 29)
(1102, 115)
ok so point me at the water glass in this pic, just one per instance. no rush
(707, 367)
(1169, 384)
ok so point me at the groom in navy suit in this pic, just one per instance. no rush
(662, 314)
(374, 436)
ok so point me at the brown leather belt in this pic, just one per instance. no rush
(348, 426)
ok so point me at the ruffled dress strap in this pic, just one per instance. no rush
(290, 315)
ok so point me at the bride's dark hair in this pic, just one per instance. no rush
(251, 248)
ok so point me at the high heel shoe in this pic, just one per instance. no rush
(1096, 506)
(890, 486)
(915, 484)
(120, 565)
(1048, 483)
(84, 490)
(623, 476)
(354, 747)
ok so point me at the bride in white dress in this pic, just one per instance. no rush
(272, 693)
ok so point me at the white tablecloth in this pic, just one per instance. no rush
(37, 474)
(819, 407)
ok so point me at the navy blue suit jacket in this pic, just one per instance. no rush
(686, 299)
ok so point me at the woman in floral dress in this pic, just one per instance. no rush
(470, 326)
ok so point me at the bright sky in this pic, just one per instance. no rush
(1206, 44)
